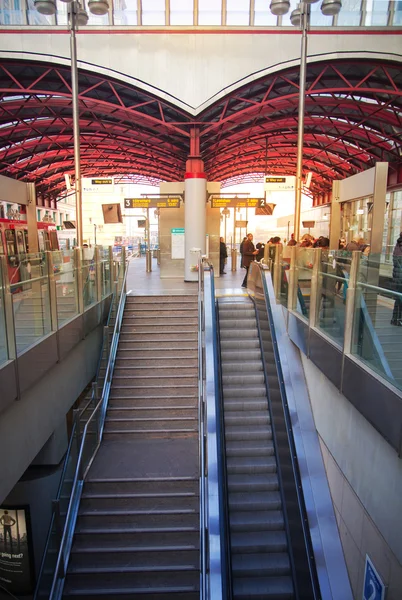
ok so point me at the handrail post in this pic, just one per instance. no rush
(123, 268)
(277, 271)
(79, 282)
(106, 340)
(351, 302)
(98, 269)
(111, 268)
(315, 284)
(293, 279)
(8, 312)
(52, 291)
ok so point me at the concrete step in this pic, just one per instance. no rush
(139, 501)
(139, 557)
(141, 391)
(147, 517)
(151, 413)
(156, 485)
(112, 537)
(151, 423)
(117, 401)
(130, 580)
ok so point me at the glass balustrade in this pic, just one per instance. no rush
(46, 278)
(377, 327)
(331, 293)
(304, 270)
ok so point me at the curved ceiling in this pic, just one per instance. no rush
(353, 118)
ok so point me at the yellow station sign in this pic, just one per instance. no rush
(237, 202)
(152, 202)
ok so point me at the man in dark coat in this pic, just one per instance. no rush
(397, 276)
(223, 254)
(249, 254)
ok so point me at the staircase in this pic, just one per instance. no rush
(137, 532)
(260, 561)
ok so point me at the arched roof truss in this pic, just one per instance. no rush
(353, 118)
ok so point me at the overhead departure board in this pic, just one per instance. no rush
(156, 202)
(219, 202)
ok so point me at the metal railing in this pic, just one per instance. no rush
(210, 503)
(337, 294)
(86, 453)
(53, 288)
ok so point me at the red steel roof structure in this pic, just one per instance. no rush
(353, 118)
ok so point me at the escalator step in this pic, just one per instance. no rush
(258, 541)
(253, 432)
(233, 417)
(246, 405)
(251, 464)
(271, 563)
(263, 588)
(256, 501)
(250, 448)
(263, 520)
(235, 391)
(258, 482)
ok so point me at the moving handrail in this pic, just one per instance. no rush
(201, 429)
(99, 413)
(212, 502)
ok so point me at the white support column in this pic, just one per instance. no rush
(195, 195)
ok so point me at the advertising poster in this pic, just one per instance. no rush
(16, 572)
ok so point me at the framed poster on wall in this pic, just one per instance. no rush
(16, 550)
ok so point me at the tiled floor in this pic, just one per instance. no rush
(139, 282)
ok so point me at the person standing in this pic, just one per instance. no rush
(241, 252)
(397, 277)
(223, 254)
(249, 254)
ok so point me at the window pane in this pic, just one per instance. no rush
(237, 18)
(209, 12)
(125, 12)
(350, 13)
(317, 18)
(11, 12)
(181, 12)
(377, 12)
(398, 13)
(286, 18)
(262, 14)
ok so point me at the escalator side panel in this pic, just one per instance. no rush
(307, 583)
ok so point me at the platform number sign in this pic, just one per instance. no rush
(373, 586)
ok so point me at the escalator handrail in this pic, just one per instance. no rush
(223, 475)
(79, 475)
(213, 490)
(293, 453)
(201, 430)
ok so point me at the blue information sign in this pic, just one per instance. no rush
(373, 587)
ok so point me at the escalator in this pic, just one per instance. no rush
(269, 549)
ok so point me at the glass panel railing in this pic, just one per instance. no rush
(65, 276)
(377, 330)
(88, 274)
(31, 302)
(331, 296)
(304, 265)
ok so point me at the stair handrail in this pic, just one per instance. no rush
(79, 475)
(74, 431)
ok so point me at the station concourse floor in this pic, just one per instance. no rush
(141, 283)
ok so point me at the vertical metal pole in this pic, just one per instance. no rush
(52, 291)
(72, 16)
(98, 272)
(300, 129)
(111, 270)
(79, 288)
(350, 302)
(293, 279)
(315, 285)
